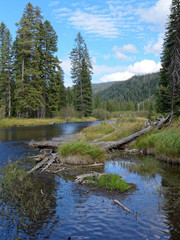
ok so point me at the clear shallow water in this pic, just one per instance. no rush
(76, 213)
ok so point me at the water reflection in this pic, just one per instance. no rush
(13, 141)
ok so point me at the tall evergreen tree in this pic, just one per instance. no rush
(36, 69)
(168, 94)
(28, 96)
(5, 71)
(81, 72)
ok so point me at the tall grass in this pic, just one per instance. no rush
(82, 150)
(165, 142)
(21, 197)
(115, 131)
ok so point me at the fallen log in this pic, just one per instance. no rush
(120, 204)
(52, 159)
(80, 178)
(108, 146)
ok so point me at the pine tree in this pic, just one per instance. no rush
(168, 94)
(5, 71)
(81, 72)
(28, 95)
(50, 64)
(56, 92)
(97, 102)
(36, 69)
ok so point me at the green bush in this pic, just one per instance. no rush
(101, 114)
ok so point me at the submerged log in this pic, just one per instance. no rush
(45, 144)
(108, 146)
(120, 204)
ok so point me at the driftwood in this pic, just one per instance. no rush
(164, 120)
(120, 204)
(118, 144)
(80, 178)
(53, 158)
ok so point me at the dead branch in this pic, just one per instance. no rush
(120, 204)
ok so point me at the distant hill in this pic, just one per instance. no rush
(136, 89)
(97, 87)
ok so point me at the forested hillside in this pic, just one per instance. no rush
(97, 87)
(136, 89)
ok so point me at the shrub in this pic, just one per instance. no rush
(101, 114)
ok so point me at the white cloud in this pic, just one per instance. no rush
(118, 76)
(52, 4)
(99, 70)
(156, 47)
(126, 48)
(93, 60)
(138, 68)
(106, 57)
(66, 66)
(143, 67)
(157, 14)
(99, 24)
(129, 48)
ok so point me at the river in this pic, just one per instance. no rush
(76, 213)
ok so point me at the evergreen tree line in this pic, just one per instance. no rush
(137, 93)
(31, 78)
(168, 93)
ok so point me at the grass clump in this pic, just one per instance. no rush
(82, 150)
(111, 182)
(165, 142)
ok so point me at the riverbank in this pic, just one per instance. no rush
(16, 122)
(164, 144)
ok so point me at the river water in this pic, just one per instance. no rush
(76, 213)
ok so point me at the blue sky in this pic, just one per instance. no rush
(124, 37)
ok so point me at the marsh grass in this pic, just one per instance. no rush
(115, 131)
(10, 122)
(111, 182)
(20, 198)
(82, 150)
(165, 142)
